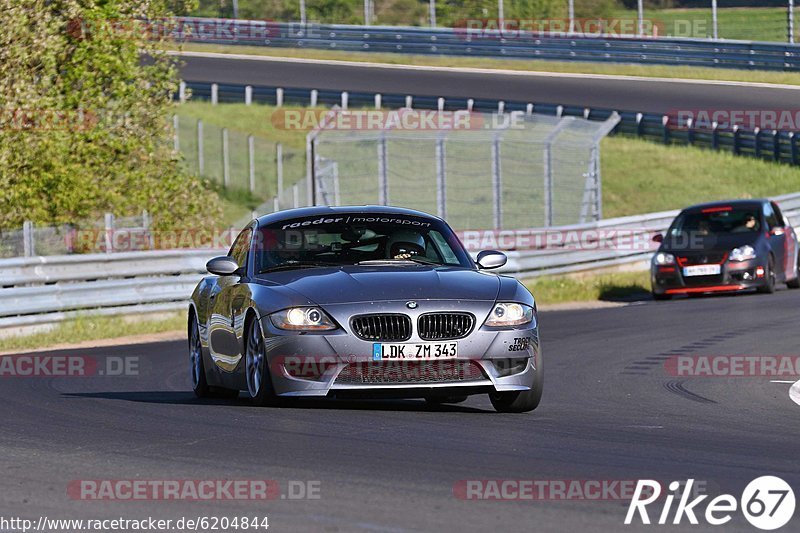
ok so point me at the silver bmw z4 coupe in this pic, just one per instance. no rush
(362, 301)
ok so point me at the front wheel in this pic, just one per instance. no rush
(769, 278)
(520, 401)
(259, 380)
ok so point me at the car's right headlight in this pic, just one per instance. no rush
(508, 314)
(662, 258)
(302, 319)
(743, 253)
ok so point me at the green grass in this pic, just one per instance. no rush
(92, 328)
(657, 71)
(616, 286)
(641, 176)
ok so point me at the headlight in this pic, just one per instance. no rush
(664, 259)
(743, 253)
(509, 314)
(302, 319)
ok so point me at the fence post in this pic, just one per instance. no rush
(28, 243)
(251, 159)
(639, 124)
(314, 97)
(345, 98)
(441, 178)
(248, 95)
(791, 21)
(571, 15)
(409, 101)
(690, 131)
(295, 196)
(440, 104)
(432, 12)
(640, 16)
(714, 20)
(548, 183)
(497, 186)
(225, 159)
(736, 139)
(758, 142)
(665, 124)
(278, 97)
(176, 142)
(279, 167)
(214, 93)
(182, 92)
(793, 147)
(776, 145)
(378, 101)
(383, 181)
(108, 222)
(201, 167)
(146, 227)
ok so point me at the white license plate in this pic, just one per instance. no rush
(702, 270)
(420, 351)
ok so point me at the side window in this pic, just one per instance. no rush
(241, 246)
(778, 215)
(769, 214)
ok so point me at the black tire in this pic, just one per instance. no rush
(200, 384)
(661, 297)
(520, 401)
(257, 374)
(769, 278)
(795, 283)
(439, 400)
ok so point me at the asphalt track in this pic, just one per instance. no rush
(610, 412)
(639, 94)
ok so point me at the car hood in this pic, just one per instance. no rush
(713, 243)
(381, 283)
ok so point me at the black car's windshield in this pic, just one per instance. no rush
(716, 221)
(350, 239)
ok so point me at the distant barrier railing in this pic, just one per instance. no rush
(46, 290)
(771, 145)
(492, 43)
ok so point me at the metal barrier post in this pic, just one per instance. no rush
(214, 94)
(714, 20)
(29, 248)
(441, 178)
(248, 95)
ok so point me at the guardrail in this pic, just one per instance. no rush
(41, 291)
(774, 145)
(491, 43)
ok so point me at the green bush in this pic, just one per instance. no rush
(85, 128)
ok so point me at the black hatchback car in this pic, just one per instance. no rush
(725, 247)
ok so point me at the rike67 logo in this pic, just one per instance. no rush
(767, 503)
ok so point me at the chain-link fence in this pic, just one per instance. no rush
(758, 20)
(236, 160)
(533, 171)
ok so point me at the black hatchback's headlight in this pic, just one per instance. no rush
(302, 319)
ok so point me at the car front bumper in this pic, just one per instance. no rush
(733, 277)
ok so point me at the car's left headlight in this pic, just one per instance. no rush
(302, 319)
(743, 253)
(507, 314)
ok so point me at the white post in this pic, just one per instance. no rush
(409, 101)
(345, 97)
(279, 167)
(182, 92)
(109, 227)
(440, 104)
(378, 101)
(201, 167)
(500, 16)
(27, 239)
(470, 104)
(214, 93)
(432, 12)
(383, 181)
(791, 21)
(497, 186)
(366, 13)
(235, 9)
(571, 10)
(278, 97)
(303, 12)
(176, 142)
(640, 12)
(225, 159)
(314, 97)
(248, 95)
(251, 157)
(714, 20)
(441, 178)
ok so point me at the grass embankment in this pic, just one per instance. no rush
(613, 286)
(92, 328)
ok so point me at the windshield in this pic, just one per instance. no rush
(348, 239)
(715, 221)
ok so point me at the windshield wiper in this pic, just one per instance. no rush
(291, 265)
(415, 260)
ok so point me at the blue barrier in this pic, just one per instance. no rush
(463, 42)
(780, 146)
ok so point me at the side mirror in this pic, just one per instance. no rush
(222, 266)
(658, 238)
(488, 259)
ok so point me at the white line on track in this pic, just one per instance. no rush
(794, 393)
(780, 381)
(473, 70)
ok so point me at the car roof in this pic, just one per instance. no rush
(743, 204)
(322, 210)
